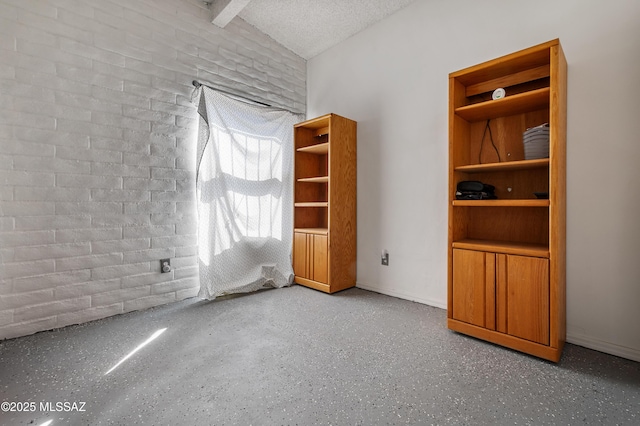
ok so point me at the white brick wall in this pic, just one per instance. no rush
(97, 137)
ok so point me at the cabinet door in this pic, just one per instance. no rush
(310, 256)
(300, 263)
(474, 287)
(523, 297)
(320, 258)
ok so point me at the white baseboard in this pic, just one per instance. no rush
(602, 346)
(402, 295)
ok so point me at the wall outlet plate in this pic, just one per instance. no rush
(385, 258)
(165, 265)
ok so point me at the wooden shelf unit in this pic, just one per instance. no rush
(324, 241)
(506, 261)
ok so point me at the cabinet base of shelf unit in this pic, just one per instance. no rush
(541, 351)
(322, 286)
(313, 284)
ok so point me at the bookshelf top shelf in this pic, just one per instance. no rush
(316, 123)
(507, 65)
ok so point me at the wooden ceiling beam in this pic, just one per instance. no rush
(225, 10)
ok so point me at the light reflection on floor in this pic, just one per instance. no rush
(142, 345)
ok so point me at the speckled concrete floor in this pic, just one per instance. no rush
(295, 356)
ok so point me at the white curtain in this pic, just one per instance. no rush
(244, 184)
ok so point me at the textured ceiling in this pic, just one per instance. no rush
(309, 27)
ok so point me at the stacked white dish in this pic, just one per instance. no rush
(536, 142)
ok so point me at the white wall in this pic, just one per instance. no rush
(97, 138)
(392, 78)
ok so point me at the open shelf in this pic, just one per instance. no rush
(318, 149)
(319, 179)
(506, 247)
(504, 166)
(501, 203)
(510, 105)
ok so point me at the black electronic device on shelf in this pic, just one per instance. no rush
(475, 190)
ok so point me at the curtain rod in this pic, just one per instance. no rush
(197, 84)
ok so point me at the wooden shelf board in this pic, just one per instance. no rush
(509, 105)
(319, 179)
(507, 247)
(501, 203)
(504, 166)
(313, 204)
(318, 149)
(319, 231)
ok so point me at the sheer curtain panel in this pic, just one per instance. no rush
(244, 186)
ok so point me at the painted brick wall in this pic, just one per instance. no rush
(97, 137)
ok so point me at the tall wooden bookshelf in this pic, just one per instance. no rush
(506, 262)
(324, 243)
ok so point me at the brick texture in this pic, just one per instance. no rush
(97, 137)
